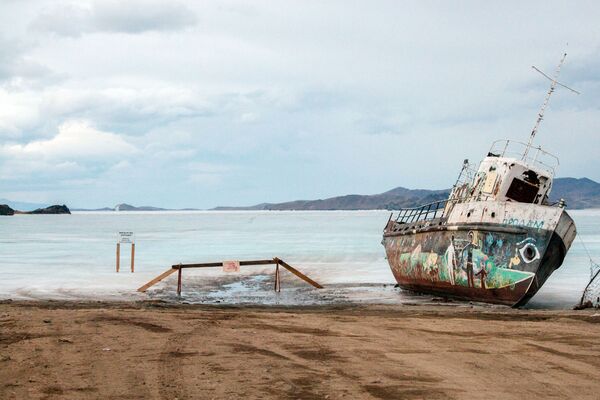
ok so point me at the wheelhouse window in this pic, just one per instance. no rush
(522, 191)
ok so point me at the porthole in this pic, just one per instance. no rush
(493, 214)
(529, 253)
(468, 214)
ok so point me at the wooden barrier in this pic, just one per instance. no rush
(274, 261)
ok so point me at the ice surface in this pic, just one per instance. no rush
(73, 256)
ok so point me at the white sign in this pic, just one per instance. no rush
(125, 237)
(231, 266)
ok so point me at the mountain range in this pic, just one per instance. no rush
(578, 193)
(390, 200)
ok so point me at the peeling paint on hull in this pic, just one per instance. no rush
(493, 263)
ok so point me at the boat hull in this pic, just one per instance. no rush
(484, 262)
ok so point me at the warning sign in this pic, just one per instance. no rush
(231, 266)
(125, 237)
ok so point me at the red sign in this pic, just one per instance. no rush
(231, 266)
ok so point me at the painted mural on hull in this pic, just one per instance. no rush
(474, 260)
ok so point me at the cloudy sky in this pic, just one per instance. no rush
(198, 104)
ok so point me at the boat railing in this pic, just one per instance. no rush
(522, 151)
(430, 211)
(438, 209)
(422, 213)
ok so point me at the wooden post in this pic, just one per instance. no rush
(277, 281)
(179, 282)
(157, 279)
(132, 255)
(118, 255)
(299, 274)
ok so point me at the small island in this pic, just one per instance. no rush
(55, 209)
(6, 210)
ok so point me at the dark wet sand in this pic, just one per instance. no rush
(59, 350)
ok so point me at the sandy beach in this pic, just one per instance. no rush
(156, 351)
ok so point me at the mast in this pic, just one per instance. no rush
(554, 81)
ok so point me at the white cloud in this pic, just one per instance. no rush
(18, 111)
(136, 16)
(77, 151)
(133, 16)
(16, 69)
(42, 172)
(207, 173)
(249, 117)
(76, 140)
(23, 111)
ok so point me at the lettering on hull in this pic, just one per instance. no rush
(529, 223)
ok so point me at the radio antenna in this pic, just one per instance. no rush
(554, 81)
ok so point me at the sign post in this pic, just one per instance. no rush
(126, 237)
(118, 255)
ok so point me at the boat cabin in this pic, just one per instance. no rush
(511, 172)
(509, 175)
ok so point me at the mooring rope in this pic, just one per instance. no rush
(592, 285)
(593, 265)
(585, 248)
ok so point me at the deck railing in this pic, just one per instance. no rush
(423, 213)
(429, 211)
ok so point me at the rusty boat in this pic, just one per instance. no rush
(496, 239)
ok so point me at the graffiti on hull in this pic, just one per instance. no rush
(530, 223)
(474, 259)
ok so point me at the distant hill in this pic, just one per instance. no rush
(390, 200)
(578, 193)
(6, 210)
(129, 207)
(55, 209)
(123, 207)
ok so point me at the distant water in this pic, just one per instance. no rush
(73, 256)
